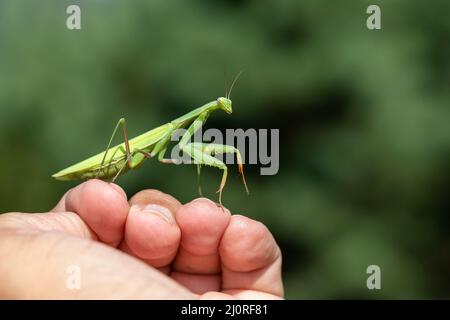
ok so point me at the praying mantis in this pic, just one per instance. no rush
(130, 154)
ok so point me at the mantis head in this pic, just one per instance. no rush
(225, 104)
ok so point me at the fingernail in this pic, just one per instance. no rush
(203, 200)
(161, 212)
(118, 189)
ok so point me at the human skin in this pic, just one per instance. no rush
(150, 247)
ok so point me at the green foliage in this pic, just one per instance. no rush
(363, 117)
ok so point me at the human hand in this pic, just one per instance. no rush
(151, 247)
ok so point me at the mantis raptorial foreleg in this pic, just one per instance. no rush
(202, 153)
(214, 148)
(205, 159)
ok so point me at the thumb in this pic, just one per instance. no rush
(41, 265)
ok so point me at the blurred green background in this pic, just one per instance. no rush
(363, 118)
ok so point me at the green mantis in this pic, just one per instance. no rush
(130, 154)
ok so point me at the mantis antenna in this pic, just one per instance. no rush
(233, 83)
(226, 80)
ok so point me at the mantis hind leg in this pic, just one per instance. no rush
(121, 123)
(135, 159)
